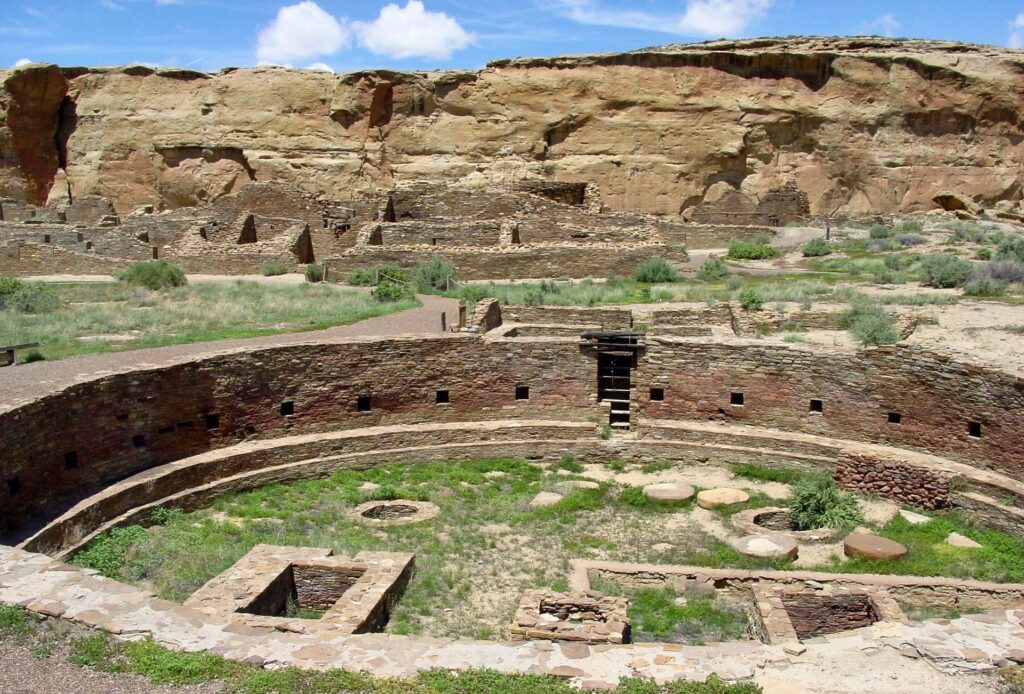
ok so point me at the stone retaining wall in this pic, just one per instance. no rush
(892, 478)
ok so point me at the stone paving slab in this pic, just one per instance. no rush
(49, 587)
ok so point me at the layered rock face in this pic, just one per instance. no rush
(858, 125)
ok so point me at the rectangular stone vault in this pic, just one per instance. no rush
(356, 594)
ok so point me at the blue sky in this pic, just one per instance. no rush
(424, 34)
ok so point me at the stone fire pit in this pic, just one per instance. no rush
(588, 617)
(770, 519)
(396, 512)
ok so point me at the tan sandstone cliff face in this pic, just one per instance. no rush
(861, 125)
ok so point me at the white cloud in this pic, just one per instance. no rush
(303, 30)
(322, 67)
(589, 12)
(721, 17)
(23, 61)
(412, 31)
(886, 25)
(701, 17)
(1017, 32)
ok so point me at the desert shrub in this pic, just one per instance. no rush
(945, 271)
(654, 270)
(885, 245)
(390, 290)
(8, 287)
(1011, 249)
(1005, 271)
(713, 269)
(750, 299)
(362, 277)
(758, 249)
(107, 552)
(733, 282)
(984, 254)
(435, 274)
(315, 273)
(870, 324)
(818, 503)
(880, 231)
(888, 276)
(33, 355)
(154, 274)
(910, 226)
(815, 248)
(369, 276)
(33, 297)
(908, 240)
(273, 268)
(980, 285)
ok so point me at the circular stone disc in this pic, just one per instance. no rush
(872, 547)
(713, 498)
(669, 491)
(545, 499)
(767, 546)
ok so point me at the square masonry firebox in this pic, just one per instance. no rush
(303, 588)
(589, 617)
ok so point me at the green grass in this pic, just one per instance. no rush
(763, 473)
(118, 317)
(458, 562)
(162, 666)
(1001, 558)
(658, 614)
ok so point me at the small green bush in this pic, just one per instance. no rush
(154, 274)
(34, 297)
(984, 286)
(9, 286)
(870, 324)
(713, 269)
(750, 299)
(752, 250)
(107, 552)
(33, 355)
(315, 273)
(435, 274)
(1011, 249)
(273, 268)
(880, 231)
(815, 248)
(984, 254)
(654, 270)
(945, 271)
(818, 503)
(389, 290)
(369, 276)
(910, 226)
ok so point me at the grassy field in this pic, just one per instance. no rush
(488, 544)
(109, 317)
(56, 640)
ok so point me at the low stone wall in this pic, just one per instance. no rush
(886, 475)
(607, 318)
(526, 261)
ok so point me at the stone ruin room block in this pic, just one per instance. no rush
(818, 615)
(588, 617)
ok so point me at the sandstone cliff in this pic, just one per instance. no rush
(859, 125)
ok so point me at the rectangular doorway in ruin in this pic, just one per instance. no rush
(616, 358)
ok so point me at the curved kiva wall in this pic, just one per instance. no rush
(64, 446)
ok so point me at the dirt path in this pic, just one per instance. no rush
(27, 381)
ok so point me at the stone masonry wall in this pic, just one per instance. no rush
(893, 479)
(120, 424)
(933, 399)
(521, 262)
(607, 318)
